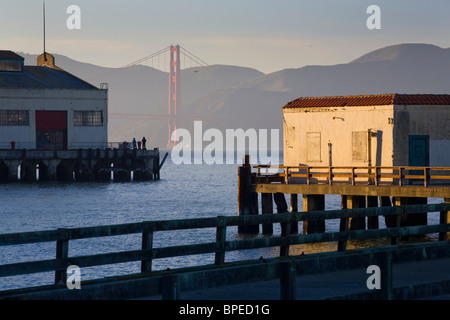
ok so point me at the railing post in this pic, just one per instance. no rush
(330, 175)
(287, 175)
(386, 275)
(287, 280)
(221, 236)
(400, 177)
(147, 244)
(377, 176)
(353, 176)
(398, 218)
(285, 232)
(62, 252)
(308, 175)
(444, 219)
(343, 227)
(170, 287)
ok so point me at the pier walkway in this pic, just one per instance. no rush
(409, 279)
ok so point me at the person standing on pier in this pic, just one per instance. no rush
(144, 141)
(134, 143)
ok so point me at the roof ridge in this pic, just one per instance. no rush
(370, 100)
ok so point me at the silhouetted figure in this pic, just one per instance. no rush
(144, 141)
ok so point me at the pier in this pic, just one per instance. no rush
(359, 187)
(80, 165)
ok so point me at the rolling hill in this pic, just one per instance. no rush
(230, 97)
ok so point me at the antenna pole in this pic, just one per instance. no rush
(43, 9)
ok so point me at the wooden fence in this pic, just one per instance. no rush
(352, 175)
(221, 246)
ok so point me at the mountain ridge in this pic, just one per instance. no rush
(229, 96)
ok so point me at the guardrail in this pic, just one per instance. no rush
(74, 145)
(352, 175)
(221, 246)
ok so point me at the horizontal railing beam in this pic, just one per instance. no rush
(181, 224)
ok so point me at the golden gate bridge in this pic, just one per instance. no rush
(174, 101)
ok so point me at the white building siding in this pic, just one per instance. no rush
(68, 100)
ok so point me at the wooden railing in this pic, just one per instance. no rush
(221, 246)
(352, 175)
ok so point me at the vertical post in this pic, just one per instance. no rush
(445, 219)
(282, 207)
(294, 208)
(62, 252)
(170, 287)
(267, 208)
(221, 236)
(314, 202)
(287, 280)
(247, 200)
(353, 176)
(372, 222)
(147, 244)
(386, 275)
(354, 202)
(343, 225)
(330, 175)
(398, 201)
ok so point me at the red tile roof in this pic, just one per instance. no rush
(370, 100)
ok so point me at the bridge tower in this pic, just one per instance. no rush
(174, 90)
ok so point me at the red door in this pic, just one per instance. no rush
(51, 130)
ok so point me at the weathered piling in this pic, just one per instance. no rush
(314, 202)
(247, 200)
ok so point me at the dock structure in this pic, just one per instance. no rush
(359, 187)
(79, 165)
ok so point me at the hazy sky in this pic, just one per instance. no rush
(268, 35)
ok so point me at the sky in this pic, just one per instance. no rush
(267, 35)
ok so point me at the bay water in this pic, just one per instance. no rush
(185, 191)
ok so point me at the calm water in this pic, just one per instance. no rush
(184, 191)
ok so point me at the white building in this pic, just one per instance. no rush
(371, 130)
(45, 107)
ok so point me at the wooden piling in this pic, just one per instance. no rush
(246, 198)
(353, 202)
(372, 222)
(314, 202)
(294, 208)
(267, 208)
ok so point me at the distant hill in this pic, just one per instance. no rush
(237, 97)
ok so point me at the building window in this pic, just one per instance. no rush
(14, 118)
(359, 146)
(87, 118)
(313, 146)
(11, 65)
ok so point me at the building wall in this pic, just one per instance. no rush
(309, 131)
(69, 100)
(433, 121)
